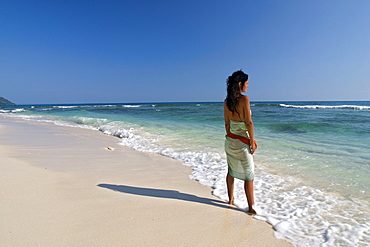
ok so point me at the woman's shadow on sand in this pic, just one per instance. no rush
(160, 193)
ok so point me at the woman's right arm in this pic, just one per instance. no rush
(249, 122)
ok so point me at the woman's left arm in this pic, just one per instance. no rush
(226, 119)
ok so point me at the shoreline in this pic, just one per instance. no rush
(61, 186)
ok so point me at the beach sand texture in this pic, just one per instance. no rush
(61, 186)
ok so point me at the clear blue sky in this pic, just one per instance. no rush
(99, 51)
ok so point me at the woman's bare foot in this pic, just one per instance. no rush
(231, 202)
(251, 211)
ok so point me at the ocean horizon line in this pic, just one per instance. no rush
(183, 102)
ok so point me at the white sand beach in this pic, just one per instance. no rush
(61, 186)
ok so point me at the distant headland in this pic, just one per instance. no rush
(4, 101)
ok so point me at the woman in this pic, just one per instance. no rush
(239, 144)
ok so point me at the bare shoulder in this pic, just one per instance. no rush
(244, 99)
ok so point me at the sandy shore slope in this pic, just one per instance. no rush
(60, 186)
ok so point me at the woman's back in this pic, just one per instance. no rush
(241, 108)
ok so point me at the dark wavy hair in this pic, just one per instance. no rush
(233, 89)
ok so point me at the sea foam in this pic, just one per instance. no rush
(354, 107)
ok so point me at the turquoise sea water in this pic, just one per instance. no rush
(312, 166)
